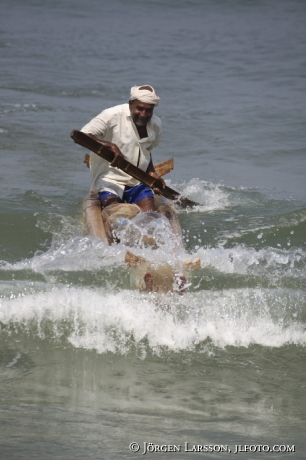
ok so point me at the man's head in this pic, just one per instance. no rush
(142, 101)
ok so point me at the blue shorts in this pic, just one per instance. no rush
(131, 194)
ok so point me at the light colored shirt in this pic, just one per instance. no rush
(116, 125)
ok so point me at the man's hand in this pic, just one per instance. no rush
(157, 177)
(113, 147)
(118, 154)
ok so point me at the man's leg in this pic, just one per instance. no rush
(141, 195)
(110, 200)
(147, 204)
(107, 199)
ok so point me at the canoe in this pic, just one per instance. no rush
(114, 222)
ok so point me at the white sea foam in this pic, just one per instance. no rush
(246, 260)
(102, 320)
(91, 254)
(209, 196)
(9, 108)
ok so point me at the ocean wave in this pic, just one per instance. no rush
(242, 259)
(122, 322)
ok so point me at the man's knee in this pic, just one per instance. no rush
(108, 198)
(147, 204)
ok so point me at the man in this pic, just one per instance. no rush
(130, 131)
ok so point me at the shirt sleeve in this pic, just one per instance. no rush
(97, 126)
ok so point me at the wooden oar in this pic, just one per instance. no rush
(103, 152)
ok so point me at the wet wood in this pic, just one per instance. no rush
(93, 218)
(161, 169)
(164, 167)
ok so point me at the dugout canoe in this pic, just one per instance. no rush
(144, 275)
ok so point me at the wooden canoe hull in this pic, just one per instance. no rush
(94, 225)
(144, 275)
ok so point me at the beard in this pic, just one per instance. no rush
(139, 121)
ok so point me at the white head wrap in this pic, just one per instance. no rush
(144, 95)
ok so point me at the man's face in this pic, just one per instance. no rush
(141, 112)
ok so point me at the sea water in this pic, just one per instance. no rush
(88, 366)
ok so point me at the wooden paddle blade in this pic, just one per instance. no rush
(185, 202)
(164, 167)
